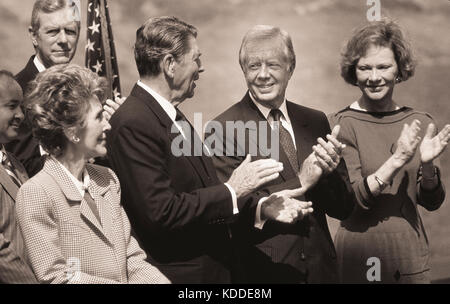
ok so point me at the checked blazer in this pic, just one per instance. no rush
(64, 240)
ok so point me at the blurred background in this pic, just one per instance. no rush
(319, 29)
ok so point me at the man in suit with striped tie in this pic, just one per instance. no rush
(13, 267)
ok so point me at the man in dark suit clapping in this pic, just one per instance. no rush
(273, 252)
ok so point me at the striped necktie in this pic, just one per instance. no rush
(285, 140)
(10, 169)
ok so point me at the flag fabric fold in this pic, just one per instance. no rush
(100, 51)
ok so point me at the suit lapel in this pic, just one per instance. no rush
(7, 183)
(197, 162)
(98, 188)
(303, 141)
(253, 114)
(71, 192)
(18, 168)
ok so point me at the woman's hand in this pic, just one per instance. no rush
(431, 147)
(407, 143)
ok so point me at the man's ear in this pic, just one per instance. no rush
(168, 65)
(33, 36)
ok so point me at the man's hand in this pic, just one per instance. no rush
(283, 207)
(323, 160)
(250, 175)
(111, 106)
(432, 146)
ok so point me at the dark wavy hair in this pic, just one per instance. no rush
(158, 37)
(58, 99)
(384, 33)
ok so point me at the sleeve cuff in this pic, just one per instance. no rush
(234, 199)
(259, 224)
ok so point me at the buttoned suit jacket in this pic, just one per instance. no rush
(176, 204)
(14, 267)
(26, 147)
(281, 253)
(64, 240)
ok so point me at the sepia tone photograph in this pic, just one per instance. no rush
(122, 161)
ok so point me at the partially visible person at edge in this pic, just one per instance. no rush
(54, 32)
(14, 268)
(391, 155)
(74, 227)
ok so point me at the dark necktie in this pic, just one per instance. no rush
(285, 139)
(10, 170)
(195, 141)
(193, 136)
(91, 203)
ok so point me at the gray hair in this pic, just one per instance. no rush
(50, 6)
(267, 32)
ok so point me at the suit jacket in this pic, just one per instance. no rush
(26, 147)
(280, 253)
(13, 266)
(64, 240)
(177, 206)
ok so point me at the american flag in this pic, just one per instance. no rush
(100, 51)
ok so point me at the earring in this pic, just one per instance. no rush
(75, 139)
(398, 80)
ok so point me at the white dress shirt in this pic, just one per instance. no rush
(81, 186)
(172, 113)
(38, 64)
(40, 67)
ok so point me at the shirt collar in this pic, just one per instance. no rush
(266, 110)
(81, 186)
(2, 151)
(164, 103)
(39, 66)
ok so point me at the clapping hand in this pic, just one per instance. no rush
(323, 160)
(250, 175)
(407, 143)
(432, 146)
(283, 207)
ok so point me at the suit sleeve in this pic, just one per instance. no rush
(39, 228)
(225, 164)
(140, 159)
(333, 191)
(13, 269)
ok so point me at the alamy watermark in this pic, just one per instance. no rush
(233, 138)
(373, 274)
(374, 12)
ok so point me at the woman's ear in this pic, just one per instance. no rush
(71, 135)
(168, 65)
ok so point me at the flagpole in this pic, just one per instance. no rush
(107, 48)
